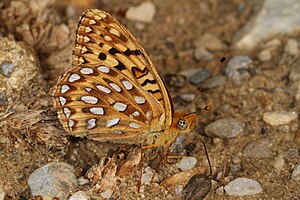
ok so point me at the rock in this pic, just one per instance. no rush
(215, 81)
(225, 128)
(143, 13)
(80, 195)
(202, 54)
(237, 69)
(2, 193)
(210, 42)
(265, 55)
(279, 162)
(6, 68)
(220, 191)
(187, 163)
(188, 97)
(243, 187)
(276, 17)
(296, 173)
(107, 194)
(292, 47)
(3, 98)
(147, 176)
(277, 118)
(197, 188)
(199, 77)
(258, 149)
(55, 179)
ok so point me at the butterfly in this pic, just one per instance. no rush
(113, 92)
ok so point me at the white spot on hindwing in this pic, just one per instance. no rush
(120, 106)
(62, 100)
(91, 123)
(86, 70)
(67, 112)
(134, 125)
(139, 100)
(64, 88)
(89, 99)
(115, 87)
(127, 85)
(103, 89)
(74, 77)
(71, 124)
(103, 69)
(97, 110)
(135, 113)
(112, 122)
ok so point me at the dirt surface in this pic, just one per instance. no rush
(31, 136)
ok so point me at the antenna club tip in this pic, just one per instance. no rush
(222, 59)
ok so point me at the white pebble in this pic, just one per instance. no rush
(292, 48)
(279, 162)
(243, 187)
(187, 163)
(107, 194)
(296, 173)
(279, 117)
(143, 13)
(80, 195)
(147, 176)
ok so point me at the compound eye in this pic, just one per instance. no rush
(181, 124)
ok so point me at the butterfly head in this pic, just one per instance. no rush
(185, 122)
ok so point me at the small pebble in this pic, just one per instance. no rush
(243, 187)
(80, 195)
(258, 149)
(210, 42)
(225, 128)
(143, 13)
(202, 54)
(2, 193)
(3, 98)
(199, 77)
(55, 179)
(237, 69)
(107, 194)
(215, 81)
(292, 47)
(296, 173)
(188, 97)
(6, 68)
(197, 188)
(187, 163)
(277, 118)
(220, 191)
(279, 162)
(147, 176)
(265, 55)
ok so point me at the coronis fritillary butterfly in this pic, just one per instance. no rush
(113, 91)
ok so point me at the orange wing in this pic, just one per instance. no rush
(101, 39)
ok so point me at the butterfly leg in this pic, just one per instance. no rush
(141, 169)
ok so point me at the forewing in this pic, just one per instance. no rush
(100, 102)
(101, 39)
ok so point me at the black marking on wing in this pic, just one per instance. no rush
(153, 91)
(102, 56)
(136, 70)
(120, 66)
(114, 51)
(148, 81)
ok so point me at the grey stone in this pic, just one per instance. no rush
(202, 54)
(243, 187)
(80, 195)
(275, 17)
(277, 118)
(187, 163)
(258, 149)
(296, 173)
(6, 68)
(215, 81)
(199, 77)
(237, 69)
(55, 179)
(225, 128)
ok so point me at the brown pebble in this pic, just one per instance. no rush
(197, 188)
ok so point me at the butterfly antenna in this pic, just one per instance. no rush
(207, 157)
(206, 81)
